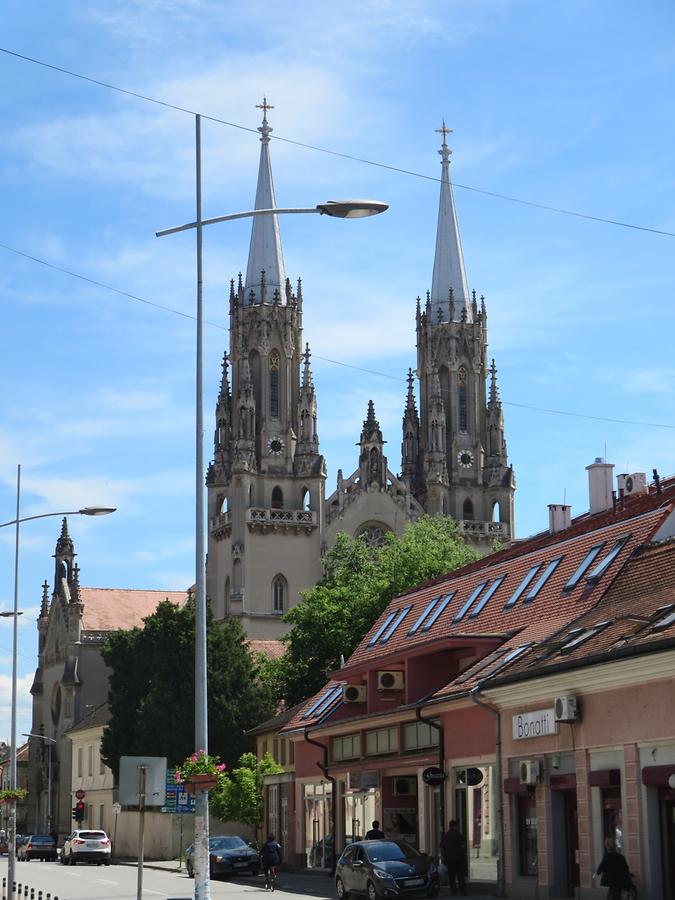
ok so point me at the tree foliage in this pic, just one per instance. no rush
(240, 797)
(151, 689)
(357, 585)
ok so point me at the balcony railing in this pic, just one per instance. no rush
(486, 529)
(306, 517)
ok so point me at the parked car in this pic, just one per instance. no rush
(36, 846)
(228, 855)
(86, 845)
(385, 869)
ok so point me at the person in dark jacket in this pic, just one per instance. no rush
(375, 833)
(453, 851)
(270, 855)
(614, 871)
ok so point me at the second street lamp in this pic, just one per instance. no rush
(344, 209)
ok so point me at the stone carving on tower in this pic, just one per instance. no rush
(462, 467)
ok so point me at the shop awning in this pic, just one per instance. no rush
(605, 778)
(658, 775)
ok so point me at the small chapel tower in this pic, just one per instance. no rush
(266, 481)
(454, 455)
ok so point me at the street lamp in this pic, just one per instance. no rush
(86, 511)
(50, 741)
(343, 209)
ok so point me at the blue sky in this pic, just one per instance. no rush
(569, 105)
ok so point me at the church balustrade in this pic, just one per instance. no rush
(489, 529)
(274, 517)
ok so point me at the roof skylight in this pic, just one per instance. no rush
(459, 615)
(486, 596)
(604, 564)
(318, 703)
(543, 578)
(665, 621)
(332, 696)
(584, 635)
(522, 587)
(380, 631)
(439, 609)
(583, 567)
(418, 624)
(394, 625)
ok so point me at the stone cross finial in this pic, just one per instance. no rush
(264, 128)
(445, 150)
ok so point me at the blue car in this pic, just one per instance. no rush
(228, 855)
(383, 868)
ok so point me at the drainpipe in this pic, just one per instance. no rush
(473, 694)
(334, 791)
(441, 753)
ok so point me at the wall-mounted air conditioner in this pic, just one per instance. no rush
(632, 484)
(405, 787)
(354, 693)
(529, 771)
(390, 681)
(566, 709)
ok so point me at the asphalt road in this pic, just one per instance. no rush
(118, 882)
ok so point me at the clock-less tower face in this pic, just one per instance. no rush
(465, 459)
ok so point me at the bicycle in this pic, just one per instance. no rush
(271, 874)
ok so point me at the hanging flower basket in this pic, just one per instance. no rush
(13, 795)
(200, 772)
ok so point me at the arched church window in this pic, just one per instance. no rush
(277, 498)
(306, 499)
(496, 512)
(462, 398)
(374, 461)
(274, 384)
(467, 509)
(373, 535)
(279, 592)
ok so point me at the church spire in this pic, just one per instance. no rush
(494, 390)
(264, 253)
(449, 273)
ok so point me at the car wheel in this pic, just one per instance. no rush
(372, 893)
(107, 862)
(342, 892)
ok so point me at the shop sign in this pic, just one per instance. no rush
(433, 775)
(363, 781)
(538, 723)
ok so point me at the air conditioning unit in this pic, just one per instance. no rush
(529, 771)
(354, 693)
(632, 484)
(390, 681)
(405, 787)
(566, 709)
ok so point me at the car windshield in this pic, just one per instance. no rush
(227, 843)
(92, 835)
(383, 851)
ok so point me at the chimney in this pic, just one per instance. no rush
(600, 479)
(559, 517)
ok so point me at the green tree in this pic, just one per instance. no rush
(357, 585)
(240, 799)
(151, 694)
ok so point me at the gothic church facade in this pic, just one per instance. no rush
(270, 521)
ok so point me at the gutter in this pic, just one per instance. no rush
(334, 792)
(441, 753)
(473, 694)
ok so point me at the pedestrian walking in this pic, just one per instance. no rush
(375, 833)
(453, 852)
(613, 871)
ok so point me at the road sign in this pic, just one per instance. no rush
(116, 808)
(80, 795)
(433, 775)
(177, 798)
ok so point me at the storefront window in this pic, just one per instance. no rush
(475, 811)
(318, 836)
(612, 820)
(527, 834)
(384, 740)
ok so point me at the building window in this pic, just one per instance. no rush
(279, 595)
(467, 510)
(277, 498)
(346, 746)
(90, 760)
(282, 752)
(101, 764)
(291, 753)
(79, 762)
(462, 397)
(527, 834)
(418, 734)
(274, 384)
(101, 817)
(383, 740)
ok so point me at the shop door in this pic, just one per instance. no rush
(566, 843)
(668, 844)
(572, 835)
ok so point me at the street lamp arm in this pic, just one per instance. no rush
(240, 215)
(86, 511)
(42, 737)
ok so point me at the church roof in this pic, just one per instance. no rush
(111, 609)
(449, 273)
(265, 248)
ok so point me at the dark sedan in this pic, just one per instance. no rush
(228, 855)
(385, 869)
(36, 846)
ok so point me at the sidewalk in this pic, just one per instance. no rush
(313, 883)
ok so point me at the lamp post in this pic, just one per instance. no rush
(85, 511)
(50, 741)
(343, 209)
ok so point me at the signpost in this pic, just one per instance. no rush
(80, 795)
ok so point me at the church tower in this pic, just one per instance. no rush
(266, 481)
(454, 455)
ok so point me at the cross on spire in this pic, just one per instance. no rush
(443, 129)
(445, 151)
(264, 128)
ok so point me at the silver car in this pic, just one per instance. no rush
(86, 845)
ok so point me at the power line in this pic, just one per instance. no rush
(368, 162)
(336, 362)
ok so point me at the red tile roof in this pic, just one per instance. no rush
(271, 649)
(111, 609)
(522, 622)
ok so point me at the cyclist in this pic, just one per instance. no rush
(270, 856)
